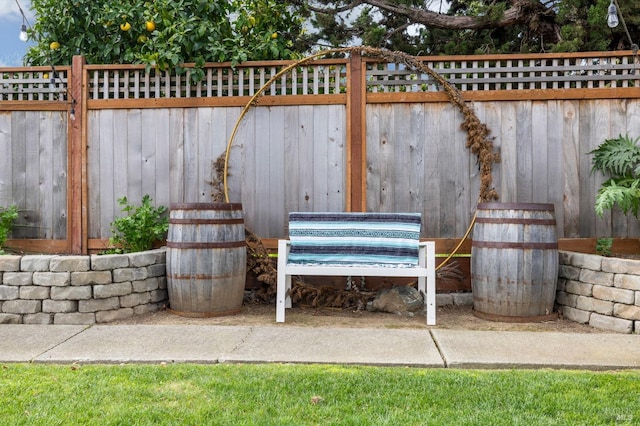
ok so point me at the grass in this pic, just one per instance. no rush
(271, 394)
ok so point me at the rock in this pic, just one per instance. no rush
(403, 300)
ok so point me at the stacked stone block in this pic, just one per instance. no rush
(600, 291)
(50, 289)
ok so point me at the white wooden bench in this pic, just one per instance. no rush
(356, 244)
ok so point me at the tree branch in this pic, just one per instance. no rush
(521, 12)
(326, 10)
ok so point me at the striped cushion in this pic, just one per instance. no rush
(354, 239)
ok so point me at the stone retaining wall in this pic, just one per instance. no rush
(52, 289)
(603, 292)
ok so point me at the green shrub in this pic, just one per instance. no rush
(7, 217)
(603, 246)
(143, 226)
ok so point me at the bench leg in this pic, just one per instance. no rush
(430, 294)
(282, 298)
(282, 287)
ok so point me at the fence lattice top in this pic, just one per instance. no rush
(510, 73)
(329, 77)
(33, 84)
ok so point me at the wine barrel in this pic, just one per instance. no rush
(514, 262)
(206, 259)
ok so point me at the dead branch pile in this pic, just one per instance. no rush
(217, 180)
(259, 262)
(329, 297)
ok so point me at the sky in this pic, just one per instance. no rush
(11, 48)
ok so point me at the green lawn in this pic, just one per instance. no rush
(268, 394)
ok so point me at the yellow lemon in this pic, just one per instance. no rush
(274, 36)
(149, 26)
(125, 27)
(54, 45)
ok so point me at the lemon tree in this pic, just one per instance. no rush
(163, 33)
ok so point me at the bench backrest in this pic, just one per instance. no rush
(354, 239)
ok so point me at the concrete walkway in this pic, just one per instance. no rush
(434, 348)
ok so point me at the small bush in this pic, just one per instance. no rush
(7, 217)
(603, 246)
(143, 226)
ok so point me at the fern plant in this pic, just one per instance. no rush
(620, 159)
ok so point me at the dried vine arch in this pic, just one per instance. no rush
(478, 142)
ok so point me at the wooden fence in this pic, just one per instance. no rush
(335, 134)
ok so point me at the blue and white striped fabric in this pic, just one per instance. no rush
(354, 239)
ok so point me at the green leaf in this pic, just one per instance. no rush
(619, 157)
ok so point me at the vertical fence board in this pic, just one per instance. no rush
(45, 181)
(132, 161)
(94, 167)
(293, 158)
(554, 159)
(508, 150)
(104, 208)
(431, 180)
(588, 181)
(320, 158)
(600, 119)
(617, 122)
(30, 216)
(571, 169)
(190, 167)
(418, 148)
(308, 174)
(524, 145)
(447, 168)
(212, 131)
(154, 159)
(372, 175)
(19, 161)
(279, 161)
(539, 148)
(336, 158)
(176, 149)
(263, 167)
(6, 159)
(121, 159)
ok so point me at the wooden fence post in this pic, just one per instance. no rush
(356, 135)
(76, 230)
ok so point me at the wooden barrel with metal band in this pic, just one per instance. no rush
(206, 259)
(514, 262)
